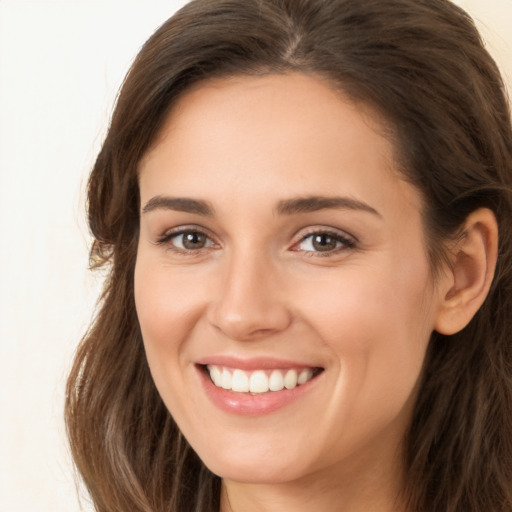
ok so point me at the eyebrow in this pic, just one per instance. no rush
(315, 203)
(284, 207)
(179, 204)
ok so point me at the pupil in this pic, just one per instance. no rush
(194, 240)
(324, 243)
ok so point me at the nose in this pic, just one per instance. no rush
(250, 303)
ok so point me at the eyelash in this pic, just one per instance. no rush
(344, 242)
(166, 239)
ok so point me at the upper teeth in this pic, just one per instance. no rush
(259, 381)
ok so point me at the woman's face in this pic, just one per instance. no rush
(282, 257)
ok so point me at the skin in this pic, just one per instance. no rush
(363, 311)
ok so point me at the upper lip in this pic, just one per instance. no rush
(254, 363)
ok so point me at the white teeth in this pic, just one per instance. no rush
(276, 381)
(290, 379)
(216, 376)
(240, 382)
(259, 381)
(226, 379)
(304, 376)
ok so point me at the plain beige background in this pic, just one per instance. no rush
(61, 63)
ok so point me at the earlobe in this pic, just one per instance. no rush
(466, 283)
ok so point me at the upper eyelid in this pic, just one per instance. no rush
(306, 232)
(179, 230)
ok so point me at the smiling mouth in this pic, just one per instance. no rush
(259, 381)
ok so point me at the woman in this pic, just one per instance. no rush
(305, 207)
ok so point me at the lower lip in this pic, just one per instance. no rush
(247, 404)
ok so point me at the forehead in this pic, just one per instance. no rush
(260, 101)
(273, 131)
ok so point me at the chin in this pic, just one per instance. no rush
(252, 460)
(260, 472)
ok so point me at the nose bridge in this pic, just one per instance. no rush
(249, 304)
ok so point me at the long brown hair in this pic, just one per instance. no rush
(422, 64)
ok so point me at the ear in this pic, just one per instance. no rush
(466, 283)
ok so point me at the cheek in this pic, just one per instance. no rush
(377, 325)
(167, 301)
(167, 309)
(369, 306)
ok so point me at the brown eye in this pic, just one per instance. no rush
(324, 242)
(189, 240)
(193, 240)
